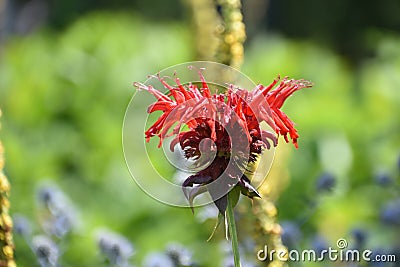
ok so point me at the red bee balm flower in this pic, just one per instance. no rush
(225, 124)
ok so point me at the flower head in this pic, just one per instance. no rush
(226, 125)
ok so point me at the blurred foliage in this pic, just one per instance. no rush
(63, 13)
(349, 126)
(343, 25)
(64, 95)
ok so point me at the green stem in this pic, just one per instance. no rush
(232, 230)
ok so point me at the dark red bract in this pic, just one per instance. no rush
(226, 123)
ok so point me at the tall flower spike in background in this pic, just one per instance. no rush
(231, 33)
(220, 31)
(6, 238)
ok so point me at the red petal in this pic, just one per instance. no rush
(161, 105)
(276, 99)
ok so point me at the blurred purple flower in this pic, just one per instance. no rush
(398, 163)
(383, 179)
(291, 234)
(46, 251)
(115, 247)
(158, 260)
(390, 213)
(58, 214)
(180, 255)
(22, 225)
(360, 237)
(319, 244)
(326, 182)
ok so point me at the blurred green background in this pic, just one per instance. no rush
(66, 69)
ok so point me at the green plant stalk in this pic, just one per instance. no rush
(232, 229)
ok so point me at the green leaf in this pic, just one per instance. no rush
(220, 219)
